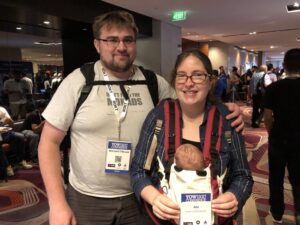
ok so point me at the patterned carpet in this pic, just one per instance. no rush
(23, 200)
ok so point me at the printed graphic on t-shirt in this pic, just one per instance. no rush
(134, 99)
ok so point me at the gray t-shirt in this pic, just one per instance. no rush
(94, 124)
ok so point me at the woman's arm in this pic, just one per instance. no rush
(240, 177)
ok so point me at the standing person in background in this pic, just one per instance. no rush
(221, 86)
(234, 81)
(281, 117)
(270, 77)
(95, 194)
(17, 91)
(191, 78)
(257, 105)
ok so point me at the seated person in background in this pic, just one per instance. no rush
(32, 128)
(189, 157)
(16, 139)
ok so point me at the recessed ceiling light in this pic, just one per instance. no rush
(272, 46)
(298, 39)
(48, 54)
(19, 28)
(46, 22)
(251, 33)
(282, 53)
(252, 50)
(244, 47)
(293, 8)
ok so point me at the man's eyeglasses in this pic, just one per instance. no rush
(114, 42)
(196, 77)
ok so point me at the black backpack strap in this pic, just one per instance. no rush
(89, 74)
(152, 84)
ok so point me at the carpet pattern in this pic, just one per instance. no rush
(23, 199)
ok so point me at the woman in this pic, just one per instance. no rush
(192, 82)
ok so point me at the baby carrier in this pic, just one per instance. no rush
(175, 182)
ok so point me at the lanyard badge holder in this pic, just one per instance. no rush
(118, 152)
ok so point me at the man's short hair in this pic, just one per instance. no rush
(270, 66)
(117, 19)
(291, 61)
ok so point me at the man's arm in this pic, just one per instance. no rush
(235, 114)
(49, 160)
(268, 119)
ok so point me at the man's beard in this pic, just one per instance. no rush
(116, 67)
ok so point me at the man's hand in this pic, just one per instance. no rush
(236, 114)
(61, 215)
(225, 205)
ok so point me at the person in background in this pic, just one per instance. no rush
(234, 81)
(221, 87)
(32, 128)
(282, 121)
(95, 195)
(16, 139)
(17, 91)
(191, 78)
(257, 98)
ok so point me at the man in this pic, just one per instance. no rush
(283, 125)
(98, 194)
(270, 77)
(257, 108)
(32, 128)
(16, 139)
(17, 91)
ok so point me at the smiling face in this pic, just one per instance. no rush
(117, 58)
(191, 93)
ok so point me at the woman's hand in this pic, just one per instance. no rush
(164, 208)
(235, 114)
(225, 205)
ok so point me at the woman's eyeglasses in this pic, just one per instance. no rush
(196, 77)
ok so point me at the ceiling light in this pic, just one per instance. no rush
(244, 47)
(46, 22)
(293, 8)
(298, 39)
(49, 55)
(46, 43)
(282, 53)
(272, 46)
(251, 33)
(19, 28)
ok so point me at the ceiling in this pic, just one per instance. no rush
(229, 21)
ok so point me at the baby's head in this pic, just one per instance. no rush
(189, 157)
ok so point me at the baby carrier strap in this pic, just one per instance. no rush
(172, 133)
(212, 144)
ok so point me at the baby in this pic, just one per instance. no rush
(189, 157)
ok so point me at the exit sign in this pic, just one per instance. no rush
(178, 15)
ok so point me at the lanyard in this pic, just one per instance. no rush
(120, 116)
